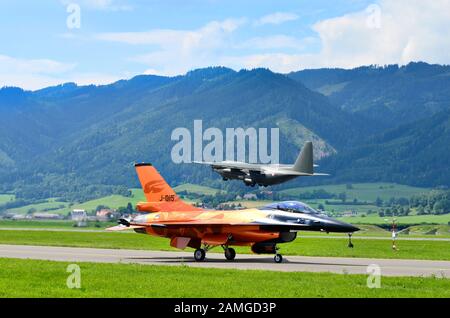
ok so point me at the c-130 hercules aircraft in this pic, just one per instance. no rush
(166, 215)
(267, 174)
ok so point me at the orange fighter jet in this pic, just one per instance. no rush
(166, 215)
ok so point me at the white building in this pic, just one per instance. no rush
(78, 215)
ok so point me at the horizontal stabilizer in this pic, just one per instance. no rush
(124, 227)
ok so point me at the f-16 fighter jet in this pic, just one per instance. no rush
(166, 215)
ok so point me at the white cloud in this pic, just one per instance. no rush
(30, 73)
(34, 74)
(279, 41)
(42, 66)
(394, 32)
(276, 18)
(409, 30)
(178, 51)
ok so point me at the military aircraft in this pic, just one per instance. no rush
(267, 174)
(166, 215)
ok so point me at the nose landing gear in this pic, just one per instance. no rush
(278, 258)
(350, 244)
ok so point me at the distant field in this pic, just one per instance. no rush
(194, 188)
(249, 204)
(303, 245)
(53, 224)
(34, 278)
(417, 231)
(342, 207)
(112, 201)
(360, 191)
(55, 206)
(414, 219)
(5, 198)
(364, 191)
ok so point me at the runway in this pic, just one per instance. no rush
(389, 267)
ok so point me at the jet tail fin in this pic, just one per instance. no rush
(304, 162)
(160, 196)
(154, 186)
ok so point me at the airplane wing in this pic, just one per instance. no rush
(264, 168)
(192, 223)
(267, 224)
(232, 165)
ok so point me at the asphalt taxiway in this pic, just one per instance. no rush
(341, 265)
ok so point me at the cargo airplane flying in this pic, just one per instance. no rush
(166, 215)
(267, 174)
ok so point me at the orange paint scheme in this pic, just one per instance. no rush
(160, 196)
(186, 225)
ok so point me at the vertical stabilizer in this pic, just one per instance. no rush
(304, 162)
(160, 196)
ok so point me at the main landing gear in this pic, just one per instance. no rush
(230, 253)
(200, 253)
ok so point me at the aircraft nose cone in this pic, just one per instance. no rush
(351, 228)
(341, 227)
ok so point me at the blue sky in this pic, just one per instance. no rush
(122, 38)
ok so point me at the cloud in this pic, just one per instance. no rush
(279, 41)
(178, 51)
(392, 32)
(396, 31)
(276, 18)
(34, 74)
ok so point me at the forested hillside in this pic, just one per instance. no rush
(367, 124)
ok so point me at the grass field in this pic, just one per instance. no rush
(50, 207)
(112, 201)
(53, 224)
(5, 198)
(33, 278)
(416, 231)
(413, 219)
(364, 191)
(342, 207)
(360, 191)
(195, 188)
(308, 246)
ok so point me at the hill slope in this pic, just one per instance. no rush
(87, 137)
(387, 96)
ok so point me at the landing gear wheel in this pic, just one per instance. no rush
(199, 255)
(278, 258)
(230, 253)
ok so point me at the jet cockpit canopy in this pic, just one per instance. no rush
(291, 206)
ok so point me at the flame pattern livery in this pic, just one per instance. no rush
(166, 215)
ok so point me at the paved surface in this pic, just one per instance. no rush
(389, 267)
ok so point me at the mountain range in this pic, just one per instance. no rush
(368, 124)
